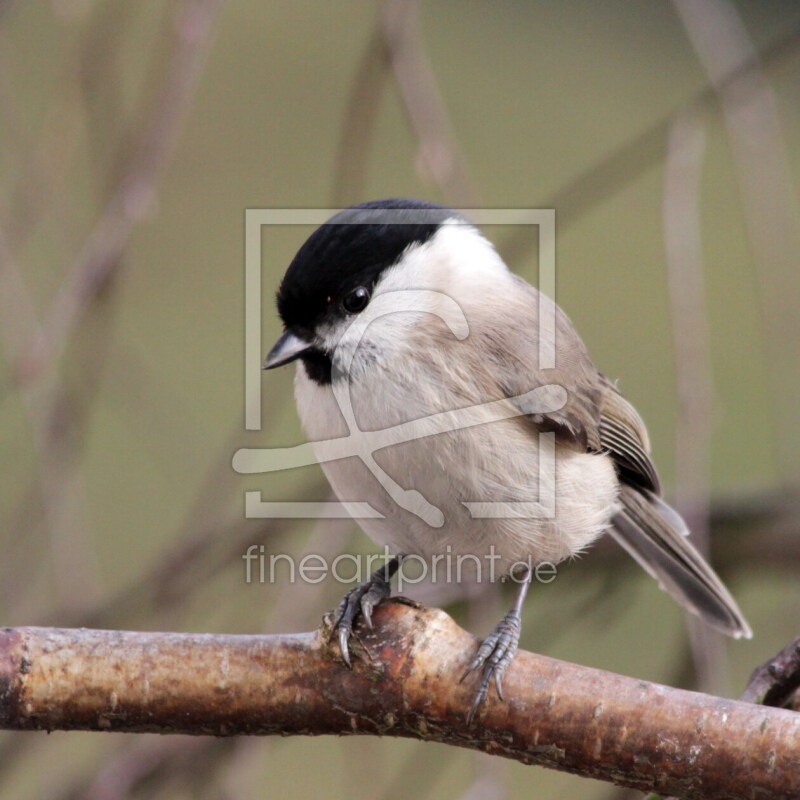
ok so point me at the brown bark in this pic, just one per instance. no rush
(777, 682)
(404, 683)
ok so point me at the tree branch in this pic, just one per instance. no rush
(404, 683)
(777, 682)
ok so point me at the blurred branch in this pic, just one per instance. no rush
(142, 763)
(13, 134)
(136, 190)
(427, 761)
(491, 779)
(100, 78)
(358, 123)
(56, 414)
(440, 157)
(693, 369)
(747, 532)
(750, 111)
(396, 48)
(683, 240)
(558, 715)
(586, 191)
(753, 532)
(761, 530)
(45, 403)
(41, 161)
(183, 568)
(19, 324)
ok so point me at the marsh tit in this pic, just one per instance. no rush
(401, 314)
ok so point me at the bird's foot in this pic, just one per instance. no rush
(493, 656)
(360, 601)
(498, 649)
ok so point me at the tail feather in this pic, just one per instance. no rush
(656, 536)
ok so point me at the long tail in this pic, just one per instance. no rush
(656, 536)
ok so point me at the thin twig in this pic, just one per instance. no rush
(693, 368)
(358, 123)
(143, 762)
(100, 81)
(19, 322)
(136, 191)
(55, 417)
(578, 196)
(42, 173)
(440, 156)
(770, 205)
(46, 405)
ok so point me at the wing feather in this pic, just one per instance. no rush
(597, 418)
(668, 555)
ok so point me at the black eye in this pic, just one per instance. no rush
(356, 301)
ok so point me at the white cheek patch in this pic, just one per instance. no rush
(385, 325)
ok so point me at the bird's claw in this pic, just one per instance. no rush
(360, 601)
(494, 655)
(344, 636)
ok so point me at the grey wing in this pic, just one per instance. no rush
(624, 436)
(596, 418)
(644, 528)
(653, 532)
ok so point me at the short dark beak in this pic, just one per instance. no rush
(287, 349)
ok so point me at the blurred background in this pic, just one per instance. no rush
(133, 136)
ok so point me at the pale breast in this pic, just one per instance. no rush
(438, 494)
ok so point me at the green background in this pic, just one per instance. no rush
(129, 514)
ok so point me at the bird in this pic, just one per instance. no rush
(401, 312)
